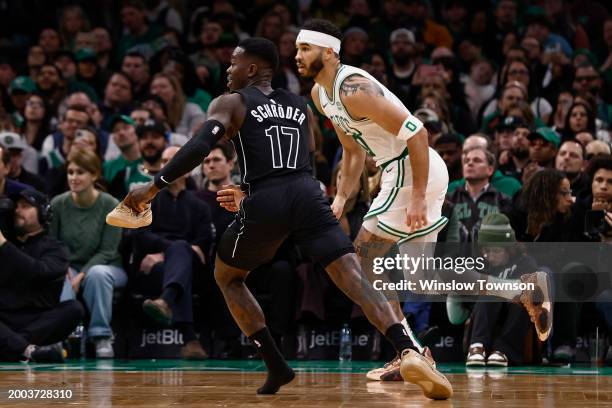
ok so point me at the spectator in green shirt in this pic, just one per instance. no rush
(95, 264)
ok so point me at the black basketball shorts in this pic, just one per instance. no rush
(277, 209)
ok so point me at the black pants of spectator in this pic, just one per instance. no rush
(566, 318)
(20, 328)
(177, 268)
(501, 326)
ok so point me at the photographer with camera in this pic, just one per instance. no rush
(32, 319)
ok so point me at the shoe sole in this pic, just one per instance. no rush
(543, 321)
(373, 376)
(474, 363)
(155, 313)
(417, 371)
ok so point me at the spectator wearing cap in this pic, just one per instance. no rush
(477, 198)
(136, 66)
(66, 62)
(20, 90)
(499, 328)
(543, 145)
(118, 98)
(169, 254)
(89, 72)
(403, 53)
(505, 131)
(137, 28)
(33, 321)
(140, 115)
(152, 140)
(504, 184)
(513, 161)
(570, 160)
(449, 148)
(125, 139)
(183, 117)
(95, 264)
(15, 147)
(354, 46)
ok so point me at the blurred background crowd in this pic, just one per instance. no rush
(96, 96)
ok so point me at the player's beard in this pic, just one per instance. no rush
(315, 67)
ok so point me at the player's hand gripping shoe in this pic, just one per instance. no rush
(420, 369)
(124, 217)
(538, 302)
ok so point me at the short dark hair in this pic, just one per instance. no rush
(135, 54)
(323, 26)
(449, 138)
(226, 149)
(261, 48)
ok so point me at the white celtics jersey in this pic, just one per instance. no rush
(376, 141)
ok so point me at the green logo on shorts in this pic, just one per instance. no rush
(411, 126)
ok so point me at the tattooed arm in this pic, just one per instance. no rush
(362, 99)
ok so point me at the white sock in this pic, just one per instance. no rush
(416, 343)
(476, 345)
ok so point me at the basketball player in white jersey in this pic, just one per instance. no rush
(369, 119)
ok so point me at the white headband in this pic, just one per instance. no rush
(320, 39)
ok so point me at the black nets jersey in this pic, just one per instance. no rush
(274, 139)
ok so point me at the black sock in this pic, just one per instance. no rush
(170, 293)
(187, 331)
(279, 373)
(396, 334)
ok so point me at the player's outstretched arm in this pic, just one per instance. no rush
(363, 98)
(225, 115)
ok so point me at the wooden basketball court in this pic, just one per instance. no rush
(170, 383)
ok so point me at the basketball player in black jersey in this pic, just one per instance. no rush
(269, 129)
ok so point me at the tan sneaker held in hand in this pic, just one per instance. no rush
(124, 217)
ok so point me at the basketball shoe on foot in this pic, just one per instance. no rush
(420, 369)
(388, 372)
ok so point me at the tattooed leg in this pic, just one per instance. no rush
(250, 318)
(368, 247)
